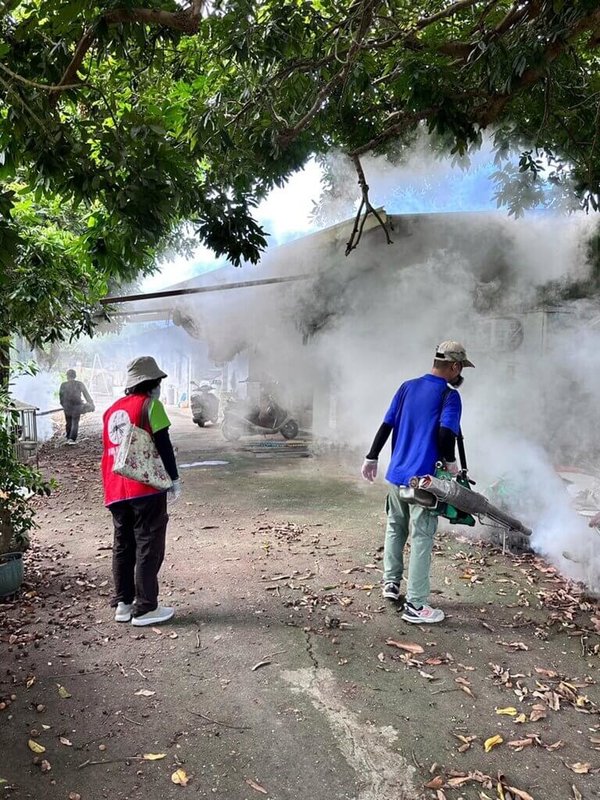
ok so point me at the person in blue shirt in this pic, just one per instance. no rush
(424, 420)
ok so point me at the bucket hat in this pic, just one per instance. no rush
(142, 368)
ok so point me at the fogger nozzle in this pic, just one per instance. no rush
(451, 492)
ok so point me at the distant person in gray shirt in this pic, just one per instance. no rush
(75, 401)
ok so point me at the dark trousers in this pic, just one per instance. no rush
(139, 550)
(72, 425)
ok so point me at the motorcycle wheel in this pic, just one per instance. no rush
(199, 423)
(290, 429)
(231, 432)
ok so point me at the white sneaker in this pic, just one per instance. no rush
(123, 612)
(70, 442)
(160, 614)
(425, 614)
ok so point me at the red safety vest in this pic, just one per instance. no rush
(126, 411)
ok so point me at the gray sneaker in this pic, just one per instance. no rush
(424, 614)
(160, 614)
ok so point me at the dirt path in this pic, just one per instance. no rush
(276, 678)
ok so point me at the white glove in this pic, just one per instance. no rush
(369, 469)
(453, 468)
(175, 491)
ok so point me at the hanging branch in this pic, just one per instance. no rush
(366, 206)
(186, 21)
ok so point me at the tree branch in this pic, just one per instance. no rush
(290, 133)
(70, 75)
(404, 118)
(496, 104)
(186, 21)
(360, 219)
(49, 87)
(516, 14)
(451, 11)
(461, 49)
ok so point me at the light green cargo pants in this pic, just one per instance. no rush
(404, 519)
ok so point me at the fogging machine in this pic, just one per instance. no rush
(453, 498)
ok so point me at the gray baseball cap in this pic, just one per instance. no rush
(452, 351)
(142, 368)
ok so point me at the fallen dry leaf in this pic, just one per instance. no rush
(466, 742)
(180, 777)
(519, 793)
(492, 742)
(63, 692)
(65, 741)
(509, 711)
(547, 673)
(458, 781)
(538, 712)
(154, 756)
(579, 768)
(145, 693)
(35, 747)
(256, 786)
(521, 718)
(409, 647)
(576, 793)
(519, 744)
(435, 783)
(45, 766)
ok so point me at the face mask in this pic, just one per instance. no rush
(155, 393)
(458, 381)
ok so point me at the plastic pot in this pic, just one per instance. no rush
(11, 573)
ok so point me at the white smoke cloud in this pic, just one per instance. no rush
(40, 391)
(366, 323)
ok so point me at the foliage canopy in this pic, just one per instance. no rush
(119, 122)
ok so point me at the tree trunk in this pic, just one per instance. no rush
(4, 363)
(6, 531)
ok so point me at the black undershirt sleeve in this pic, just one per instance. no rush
(162, 440)
(446, 442)
(379, 441)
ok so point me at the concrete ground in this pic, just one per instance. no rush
(284, 674)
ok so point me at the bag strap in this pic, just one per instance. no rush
(145, 415)
(460, 442)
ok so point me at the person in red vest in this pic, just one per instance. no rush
(139, 511)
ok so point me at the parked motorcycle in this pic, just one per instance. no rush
(268, 417)
(204, 405)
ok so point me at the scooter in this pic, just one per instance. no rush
(204, 405)
(268, 417)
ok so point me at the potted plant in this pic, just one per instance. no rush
(18, 483)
